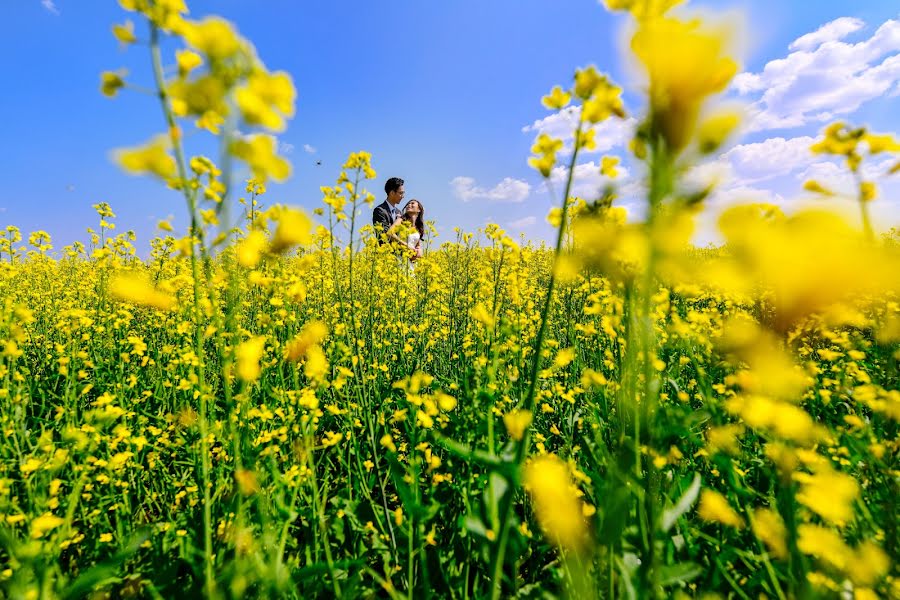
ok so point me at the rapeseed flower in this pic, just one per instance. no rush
(556, 505)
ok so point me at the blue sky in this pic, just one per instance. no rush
(443, 94)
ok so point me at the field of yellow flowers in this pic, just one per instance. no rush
(268, 408)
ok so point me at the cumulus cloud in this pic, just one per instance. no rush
(523, 223)
(823, 76)
(829, 32)
(285, 147)
(508, 190)
(51, 7)
(774, 157)
(587, 182)
(611, 133)
(309, 149)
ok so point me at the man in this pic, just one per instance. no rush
(388, 212)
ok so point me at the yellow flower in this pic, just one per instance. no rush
(247, 356)
(316, 365)
(713, 132)
(769, 528)
(249, 250)
(312, 334)
(829, 494)
(246, 481)
(258, 151)
(187, 61)
(516, 422)
(642, 9)
(825, 544)
(45, 523)
(868, 191)
(817, 188)
(111, 82)
(138, 290)
(125, 32)
(213, 36)
(879, 143)
(556, 505)
(293, 228)
(608, 166)
(266, 99)
(152, 158)
(105, 538)
(868, 564)
(685, 63)
(715, 509)
(331, 439)
(557, 99)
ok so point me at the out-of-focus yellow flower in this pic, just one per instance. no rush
(685, 63)
(152, 158)
(187, 61)
(544, 150)
(810, 261)
(266, 99)
(769, 528)
(817, 188)
(643, 9)
(44, 523)
(312, 333)
(825, 544)
(868, 191)
(868, 564)
(516, 421)
(715, 508)
(608, 166)
(557, 507)
(137, 289)
(246, 481)
(258, 152)
(713, 131)
(125, 32)
(292, 228)
(557, 99)
(247, 355)
(249, 250)
(213, 36)
(112, 81)
(315, 367)
(879, 143)
(829, 494)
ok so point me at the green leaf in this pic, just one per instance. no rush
(680, 573)
(683, 505)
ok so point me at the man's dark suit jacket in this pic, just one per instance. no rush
(382, 220)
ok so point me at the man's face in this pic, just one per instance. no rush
(396, 195)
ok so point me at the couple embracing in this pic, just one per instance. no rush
(402, 227)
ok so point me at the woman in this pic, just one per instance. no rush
(412, 222)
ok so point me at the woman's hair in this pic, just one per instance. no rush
(419, 224)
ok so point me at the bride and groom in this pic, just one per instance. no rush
(403, 227)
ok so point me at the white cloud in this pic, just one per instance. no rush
(309, 149)
(774, 157)
(609, 134)
(523, 222)
(51, 7)
(829, 32)
(823, 76)
(508, 190)
(587, 182)
(285, 147)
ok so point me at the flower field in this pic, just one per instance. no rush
(265, 406)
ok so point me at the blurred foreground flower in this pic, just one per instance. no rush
(556, 504)
(138, 290)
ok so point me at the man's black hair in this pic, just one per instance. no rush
(392, 185)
